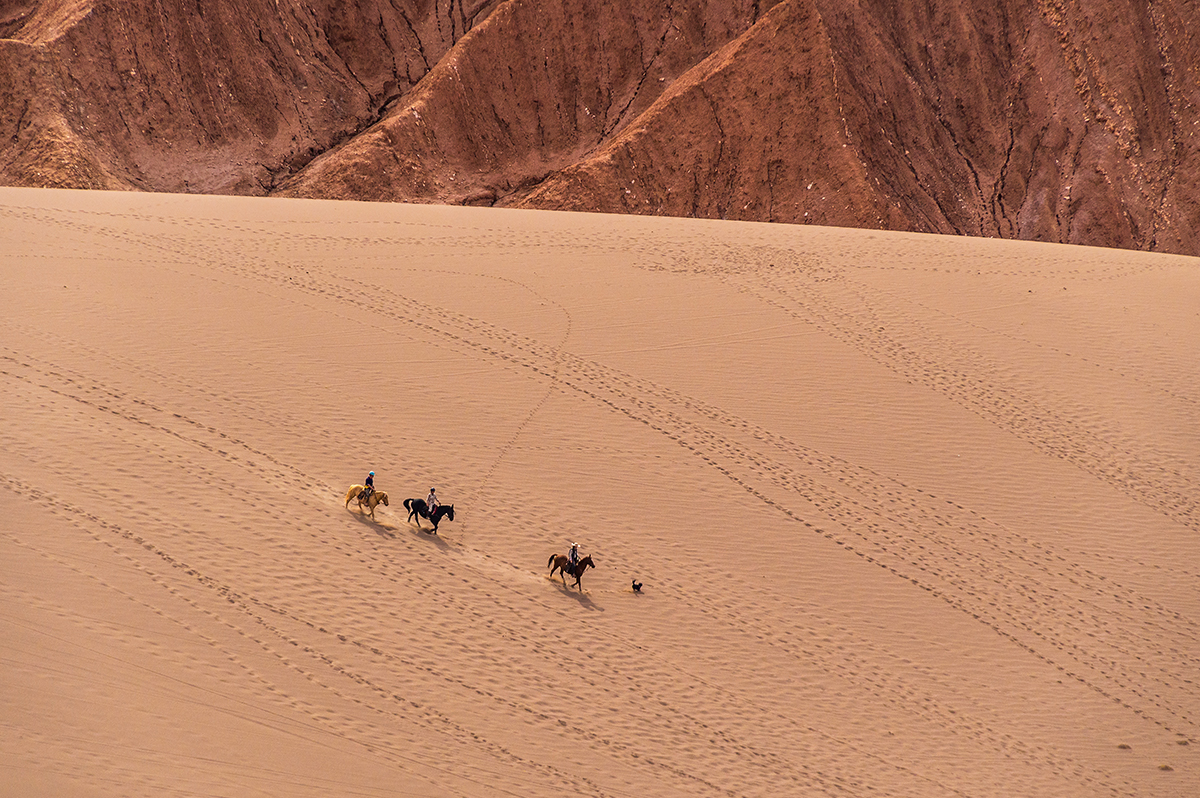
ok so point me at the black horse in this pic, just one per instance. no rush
(418, 508)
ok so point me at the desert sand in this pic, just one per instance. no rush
(914, 515)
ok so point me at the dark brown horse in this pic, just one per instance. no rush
(560, 563)
(418, 508)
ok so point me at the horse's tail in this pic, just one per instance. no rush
(550, 561)
(350, 494)
(408, 504)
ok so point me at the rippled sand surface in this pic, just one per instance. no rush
(912, 515)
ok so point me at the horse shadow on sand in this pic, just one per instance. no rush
(381, 528)
(583, 599)
(392, 532)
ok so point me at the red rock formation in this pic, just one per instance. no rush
(531, 91)
(1058, 120)
(194, 95)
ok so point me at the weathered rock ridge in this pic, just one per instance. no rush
(203, 95)
(1057, 120)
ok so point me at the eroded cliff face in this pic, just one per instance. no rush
(1059, 120)
(194, 95)
(535, 89)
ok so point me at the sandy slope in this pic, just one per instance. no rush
(916, 516)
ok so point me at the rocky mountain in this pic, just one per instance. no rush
(1056, 120)
(203, 95)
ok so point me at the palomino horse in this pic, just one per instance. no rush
(356, 492)
(419, 508)
(560, 563)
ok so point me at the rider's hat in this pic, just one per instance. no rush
(371, 474)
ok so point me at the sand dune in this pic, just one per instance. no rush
(915, 516)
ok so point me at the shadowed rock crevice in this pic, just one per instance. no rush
(1063, 120)
(178, 95)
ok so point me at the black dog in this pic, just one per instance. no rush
(637, 586)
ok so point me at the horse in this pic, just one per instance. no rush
(377, 496)
(561, 564)
(420, 509)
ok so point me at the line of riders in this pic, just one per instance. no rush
(368, 497)
(431, 501)
(573, 563)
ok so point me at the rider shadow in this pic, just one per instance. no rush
(378, 527)
(429, 536)
(584, 599)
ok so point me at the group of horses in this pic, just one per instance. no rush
(419, 509)
(415, 507)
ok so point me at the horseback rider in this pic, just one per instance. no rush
(369, 487)
(431, 502)
(573, 557)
